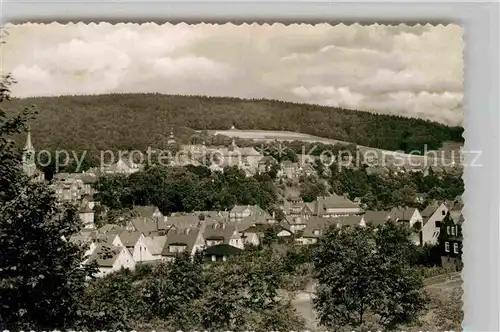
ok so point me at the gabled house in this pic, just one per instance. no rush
(152, 248)
(130, 239)
(239, 212)
(314, 229)
(412, 218)
(216, 233)
(111, 259)
(147, 226)
(296, 223)
(150, 211)
(432, 216)
(188, 240)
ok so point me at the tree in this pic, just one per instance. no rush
(360, 281)
(41, 280)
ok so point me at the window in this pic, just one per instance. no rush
(455, 248)
(453, 230)
(317, 232)
(447, 246)
(443, 212)
(448, 230)
(213, 258)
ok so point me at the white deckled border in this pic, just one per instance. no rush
(481, 34)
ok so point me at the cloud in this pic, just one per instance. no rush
(412, 71)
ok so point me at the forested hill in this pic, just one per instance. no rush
(136, 121)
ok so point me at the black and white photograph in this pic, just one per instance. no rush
(223, 177)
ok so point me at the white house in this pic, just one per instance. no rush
(433, 215)
(112, 259)
(411, 216)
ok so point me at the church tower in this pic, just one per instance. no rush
(29, 165)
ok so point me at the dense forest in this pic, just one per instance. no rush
(136, 121)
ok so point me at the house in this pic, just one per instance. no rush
(239, 212)
(216, 233)
(451, 240)
(147, 226)
(221, 252)
(110, 228)
(111, 259)
(412, 218)
(255, 234)
(376, 218)
(350, 221)
(83, 239)
(185, 221)
(150, 211)
(86, 215)
(130, 239)
(265, 164)
(296, 223)
(188, 240)
(314, 229)
(110, 238)
(289, 170)
(150, 248)
(124, 165)
(432, 216)
(336, 206)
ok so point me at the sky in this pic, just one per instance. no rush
(409, 71)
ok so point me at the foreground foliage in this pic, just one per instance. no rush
(365, 277)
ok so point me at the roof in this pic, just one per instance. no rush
(148, 225)
(185, 237)
(215, 230)
(402, 213)
(430, 209)
(267, 159)
(376, 217)
(222, 249)
(182, 222)
(335, 202)
(316, 223)
(349, 220)
(155, 244)
(145, 211)
(107, 228)
(129, 239)
(105, 255)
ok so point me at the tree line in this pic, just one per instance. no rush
(136, 121)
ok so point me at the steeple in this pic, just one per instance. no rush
(29, 145)
(29, 166)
